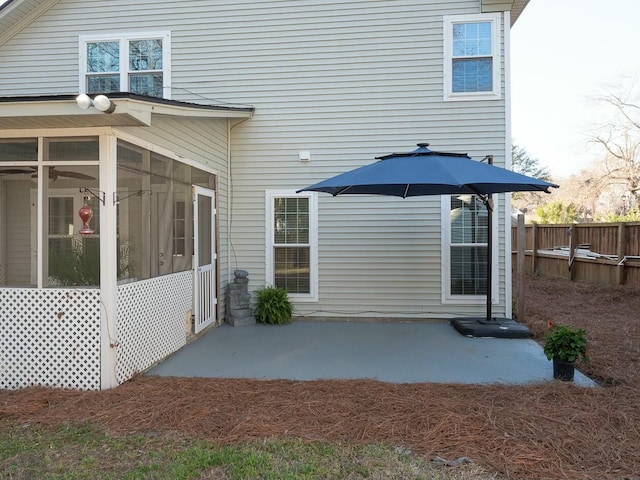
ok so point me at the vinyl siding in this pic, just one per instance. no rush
(19, 14)
(382, 92)
(347, 80)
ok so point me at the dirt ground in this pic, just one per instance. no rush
(547, 431)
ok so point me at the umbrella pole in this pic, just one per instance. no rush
(488, 202)
(487, 326)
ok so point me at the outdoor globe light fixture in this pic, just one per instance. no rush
(100, 102)
(84, 101)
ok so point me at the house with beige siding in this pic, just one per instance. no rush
(150, 149)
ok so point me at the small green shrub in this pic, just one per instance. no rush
(273, 306)
(565, 343)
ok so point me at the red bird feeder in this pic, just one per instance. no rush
(86, 213)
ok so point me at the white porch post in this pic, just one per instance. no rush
(108, 259)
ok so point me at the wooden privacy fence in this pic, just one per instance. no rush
(607, 253)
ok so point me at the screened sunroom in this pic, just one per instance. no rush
(108, 242)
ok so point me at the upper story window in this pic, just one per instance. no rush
(472, 57)
(137, 63)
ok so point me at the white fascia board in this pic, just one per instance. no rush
(132, 105)
(128, 111)
(21, 108)
(50, 112)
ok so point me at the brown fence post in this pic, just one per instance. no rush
(573, 246)
(622, 240)
(520, 257)
(535, 241)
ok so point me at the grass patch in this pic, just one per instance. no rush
(79, 452)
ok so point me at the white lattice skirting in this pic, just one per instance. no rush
(151, 321)
(50, 337)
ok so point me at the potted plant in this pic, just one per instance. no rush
(565, 346)
(273, 306)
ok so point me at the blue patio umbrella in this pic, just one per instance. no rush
(426, 172)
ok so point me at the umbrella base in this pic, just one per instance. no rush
(496, 327)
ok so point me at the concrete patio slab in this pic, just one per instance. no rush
(398, 352)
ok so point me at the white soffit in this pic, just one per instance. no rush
(516, 7)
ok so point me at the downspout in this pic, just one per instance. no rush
(230, 195)
(229, 200)
(508, 287)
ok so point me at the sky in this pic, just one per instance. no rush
(564, 53)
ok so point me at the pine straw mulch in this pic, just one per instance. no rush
(547, 431)
(609, 313)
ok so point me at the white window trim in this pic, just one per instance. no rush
(496, 45)
(447, 296)
(270, 196)
(124, 38)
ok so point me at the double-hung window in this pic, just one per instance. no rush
(292, 243)
(464, 251)
(137, 63)
(472, 57)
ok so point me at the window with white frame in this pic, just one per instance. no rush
(472, 57)
(292, 244)
(137, 63)
(73, 258)
(465, 244)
